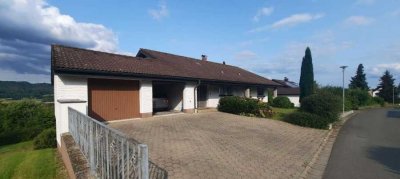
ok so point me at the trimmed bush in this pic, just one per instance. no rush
(240, 105)
(326, 105)
(282, 102)
(306, 119)
(46, 139)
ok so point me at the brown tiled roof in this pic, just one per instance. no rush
(288, 91)
(149, 63)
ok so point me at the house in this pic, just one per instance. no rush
(110, 86)
(289, 89)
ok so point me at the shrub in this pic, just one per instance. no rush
(23, 120)
(46, 139)
(306, 119)
(240, 105)
(323, 104)
(379, 100)
(282, 102)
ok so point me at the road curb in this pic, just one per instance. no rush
(316, 167)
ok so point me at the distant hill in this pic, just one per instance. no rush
(19, 90)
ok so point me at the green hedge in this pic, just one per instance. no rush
(282, 102)
(23, 120)
(307, 120)
(324, 104)
(354, 98)
(240, 105)
(46, 139)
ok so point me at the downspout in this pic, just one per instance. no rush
(195, 96)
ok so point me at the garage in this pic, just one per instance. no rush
(167, 96)
(111, 99)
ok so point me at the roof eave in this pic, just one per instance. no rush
(150, 76)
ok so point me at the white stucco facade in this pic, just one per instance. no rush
(146, 96)
(293, 99)
(69, 91)
(72, 91)
(188, 96)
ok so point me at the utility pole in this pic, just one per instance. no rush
(343, 68)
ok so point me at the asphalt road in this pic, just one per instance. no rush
(368, 146)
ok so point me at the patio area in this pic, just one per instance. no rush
(220, 145)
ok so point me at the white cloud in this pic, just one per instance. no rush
(36, 21)
(161, 12)
(290, 21)
(296, 19)
(245, 55)
(379, 69)
(265, 11)
(365, 2)
(358, 20)
(28, 27)
(287, 62)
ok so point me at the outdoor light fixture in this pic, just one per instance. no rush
(343, 68)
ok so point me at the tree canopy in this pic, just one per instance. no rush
(359, 80)
(386, 87)
(19, 90)
(306, 76)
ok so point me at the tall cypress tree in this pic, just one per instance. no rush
(386, 86)
(359, 81)
(306, 75)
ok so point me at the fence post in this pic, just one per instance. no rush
(143, 161)
(91, 148)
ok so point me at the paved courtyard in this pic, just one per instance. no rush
(220, 145)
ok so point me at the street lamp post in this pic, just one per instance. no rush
(343, 68)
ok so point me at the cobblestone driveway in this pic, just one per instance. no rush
(219, 145)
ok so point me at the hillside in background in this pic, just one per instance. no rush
(18, 90)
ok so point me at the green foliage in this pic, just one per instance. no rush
(240, 105)
(307, 120)
(270, 96)
(306, 76)
(23, 120)
(359, 80)
(20, 90)
(326, 105)
(282, 102)
(46, 139)
(354, 98)
(386, 86)
(379, 100)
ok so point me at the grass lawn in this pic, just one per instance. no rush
(22, 161)
(280, 113)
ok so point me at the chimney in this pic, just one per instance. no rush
(204, 57)
(286, 79)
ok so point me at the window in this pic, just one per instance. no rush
(260, 92)
(225, 91)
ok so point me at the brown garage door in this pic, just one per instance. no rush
(113, 99)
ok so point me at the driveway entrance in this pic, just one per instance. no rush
(220, 145)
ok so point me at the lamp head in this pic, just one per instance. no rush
(343, 67)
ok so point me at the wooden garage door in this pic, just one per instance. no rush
(113, 99)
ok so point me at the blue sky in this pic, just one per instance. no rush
(265, 37)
